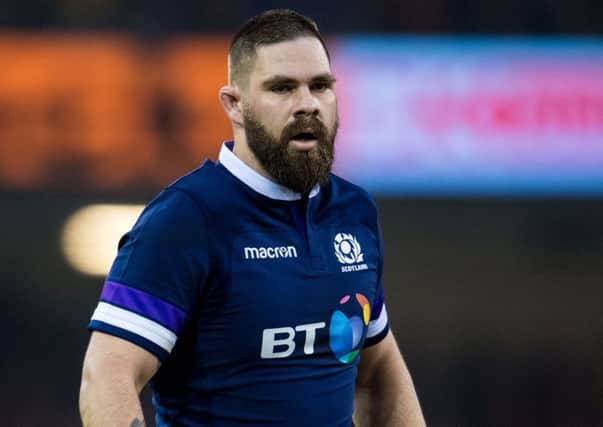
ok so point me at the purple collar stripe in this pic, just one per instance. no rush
(144, 304)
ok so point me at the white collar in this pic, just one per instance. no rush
(254, 180)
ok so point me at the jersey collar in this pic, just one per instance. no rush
(254, 180)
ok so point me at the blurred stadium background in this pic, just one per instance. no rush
(477, 125)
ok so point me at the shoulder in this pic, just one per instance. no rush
(171, 218)
(342, 201)
(343, 192)
(209, 186)
(179, 205)
(199, 183)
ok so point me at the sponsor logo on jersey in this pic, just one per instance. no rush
(270, 253)
(349, 253)
(280, 342)
(345, 333)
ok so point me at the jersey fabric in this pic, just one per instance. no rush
(256, 301)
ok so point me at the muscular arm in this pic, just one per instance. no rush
(385, 394)
(114, 373)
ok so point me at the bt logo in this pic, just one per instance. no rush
(345, 334)
(270, 340)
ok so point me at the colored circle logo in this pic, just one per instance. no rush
(345, 333)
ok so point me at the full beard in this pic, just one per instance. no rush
(298, 170)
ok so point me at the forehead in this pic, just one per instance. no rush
(300, 59)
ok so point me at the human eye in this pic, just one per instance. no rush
(320, 86)
(281, 88)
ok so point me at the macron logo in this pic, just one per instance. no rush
(271, 253)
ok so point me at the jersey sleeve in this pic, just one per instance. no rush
(156, 279)
(378, 326)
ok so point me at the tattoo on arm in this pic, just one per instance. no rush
(137, 423)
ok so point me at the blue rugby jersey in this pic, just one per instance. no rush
(256, 301)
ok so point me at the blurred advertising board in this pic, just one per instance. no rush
(107, 112)
(419, 116)
(472, 116)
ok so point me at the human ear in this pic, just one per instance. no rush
(230, 98)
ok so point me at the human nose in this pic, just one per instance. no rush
(306, 102)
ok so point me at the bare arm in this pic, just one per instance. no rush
(114, 373)
(385, 394)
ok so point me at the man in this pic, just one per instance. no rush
(249, 291)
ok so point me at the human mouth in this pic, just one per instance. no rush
(304, 141)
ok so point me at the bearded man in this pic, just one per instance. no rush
(249, 292)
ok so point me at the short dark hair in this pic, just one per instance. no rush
(269, 27)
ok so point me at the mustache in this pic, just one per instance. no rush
(305, 124)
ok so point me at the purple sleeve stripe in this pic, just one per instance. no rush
(144, 304)
(377, 306)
